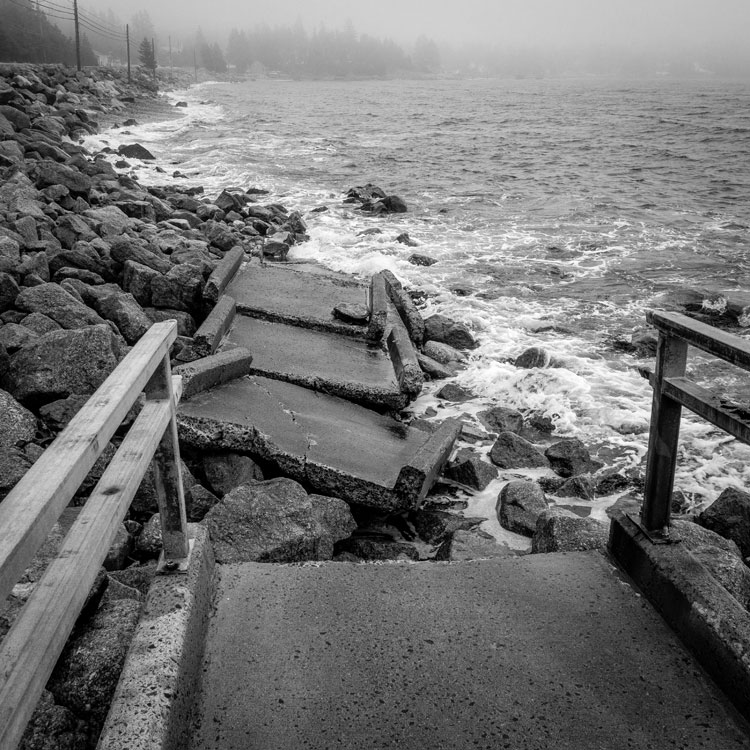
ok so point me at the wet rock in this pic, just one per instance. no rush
(519, 504)
(559, 530)
(444, 353)
(570, 457)
(355, 314)
(404, 239)
(64, 362)
(54, 301)
(473, 544)
(417, 259)
(135, 151)
(370, 548)
(433, 369)
(433, 526)
(510, 451)
(469, 469)
(533, 357)
(643, 342)
(17, 424)
(227, 471)
(446, 331)
(455, 393)
(87, 672)
(729, 516)
(277, 245)
(580, 486)
(364, 194)
(276, 521)
(611, 482)
(501, 419)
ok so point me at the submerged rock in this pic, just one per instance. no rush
(511, 451)
(446, 331)
(570, 458)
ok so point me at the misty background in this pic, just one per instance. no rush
(340, 38)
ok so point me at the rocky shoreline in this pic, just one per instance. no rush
(89, 259)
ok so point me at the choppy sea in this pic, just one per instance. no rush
(559, 211)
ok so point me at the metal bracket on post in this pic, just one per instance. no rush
(166, 566)
(655, 536)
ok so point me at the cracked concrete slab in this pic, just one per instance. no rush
(326, 362)
(337, 447)
(302, 295)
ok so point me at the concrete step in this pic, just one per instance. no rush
(529, 653)
(340, 365)
(337, 447)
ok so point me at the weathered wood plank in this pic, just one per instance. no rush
(671, 359)
(707, 405)
(32, 646)
(33, 506)
(705, 337)
(167, 472)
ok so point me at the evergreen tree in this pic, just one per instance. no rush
(146, 55)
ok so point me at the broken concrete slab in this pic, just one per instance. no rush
(296, 295)
(332, 445)
(205, 373)
(223, 274)
(322, 361)
(208, 337)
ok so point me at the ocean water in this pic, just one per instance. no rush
(559, 211)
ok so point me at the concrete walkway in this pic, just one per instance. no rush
(529, 653)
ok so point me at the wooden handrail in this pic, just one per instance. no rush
(672, 391)
(32, 646)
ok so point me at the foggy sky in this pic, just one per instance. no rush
(516, 23)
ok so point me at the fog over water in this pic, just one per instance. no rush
(563, 24)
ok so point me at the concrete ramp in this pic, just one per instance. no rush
(337, 447)
(535, 653)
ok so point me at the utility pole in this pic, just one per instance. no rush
(171, 77)
(78, 36)
(127, 44)
(153, 55)
(41, 32)
(195, 63)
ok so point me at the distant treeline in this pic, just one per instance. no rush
(26, 35)
(327, 52)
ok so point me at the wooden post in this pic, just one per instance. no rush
(671, 358)
(168, 475)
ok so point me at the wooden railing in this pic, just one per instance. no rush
(672, 391)
(32, 646)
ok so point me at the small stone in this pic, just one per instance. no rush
(355, 314)
(570, 457)
(473, 544)
(455, 393)
(226, 471)
(501, 419)
(417, 259)
(559, 530)
(135, 151)
(533, 357)
(404, 239)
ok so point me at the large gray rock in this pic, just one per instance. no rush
(48, 173)
(119, 307)
(276, 521)
(227, 471)
(519, 505)
(510, 451)
(14, 463)
(86, 674)
(446, 331)
(52, 300)
(110, 221)
(179, 289)
(137, 279)
(570, 457)
(560, 530)
(126, 248)
(9, 291)
(433, 526)
(80, 255)
(729, 516)
(17, 424)
(64, 362)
